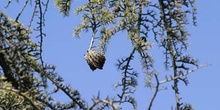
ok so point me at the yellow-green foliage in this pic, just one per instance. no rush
(63, 6)
(12, 99)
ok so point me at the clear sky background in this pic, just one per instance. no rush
(65, 51)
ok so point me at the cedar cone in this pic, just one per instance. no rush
(95, 59)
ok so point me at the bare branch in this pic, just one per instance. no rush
(9, 2)
(19, 14)
(155, 92)
(33, 15)
(104, 103)
(92, 39)
(184, 74)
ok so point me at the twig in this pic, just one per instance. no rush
(184, 74)
(41, 22)
(92, 39)
(124, 84)
(105, 101)
(32, 17)
(9, 2)
(155, 93)
(45, 10)
(19, 14)
(40, 29)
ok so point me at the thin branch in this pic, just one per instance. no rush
(124, 84)
(183, 74)
(66, 90)
(19, 14)
(104, 101)
(41, 35)
(41, 22)
(32, 17)
(94, 27)
(45, 10)
(9, 2)
(155, 92)
(92, 39)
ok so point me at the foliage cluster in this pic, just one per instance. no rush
(24, 77)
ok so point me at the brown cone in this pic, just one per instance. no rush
(95, 59)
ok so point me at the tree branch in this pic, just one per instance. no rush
(183, 74)
(155, 92)
(19, 14)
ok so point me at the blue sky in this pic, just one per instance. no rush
(65, 51)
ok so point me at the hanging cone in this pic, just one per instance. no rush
(95, 59)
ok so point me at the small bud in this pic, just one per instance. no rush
(116, 9)
(144, 39)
